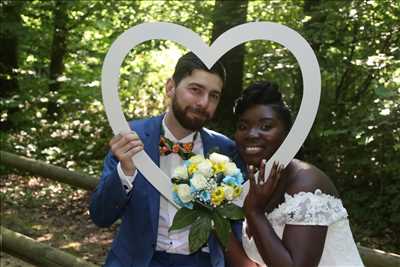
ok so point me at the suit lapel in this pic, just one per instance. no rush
(207, 141)
(151, 143)
(152, 138)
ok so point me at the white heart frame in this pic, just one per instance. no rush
(251, 31)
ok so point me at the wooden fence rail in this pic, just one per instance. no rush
(370, 257)
(37, 253)
(46, 170)
(378, 258)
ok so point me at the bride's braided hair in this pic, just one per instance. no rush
(264, 93)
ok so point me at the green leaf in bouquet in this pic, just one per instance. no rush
(231, 211)
(199, 232)
(178, 180)
(222, 228)
(184, 217)
(203, 207)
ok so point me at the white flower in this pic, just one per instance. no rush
(181, 172)
(196, 159)
(205, 168)
(198, 181)
(229, 192)
(183, 191)
(218, 158)
(231, 169)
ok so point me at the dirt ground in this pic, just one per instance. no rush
(57, 215)
(52, 213)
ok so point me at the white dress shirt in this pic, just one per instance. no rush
(175, 241)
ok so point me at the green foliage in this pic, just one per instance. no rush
(185, 217)
(203, 220)
(199, 233)
(78, 137)
(357, 131)
(222, 228)
(231, 211)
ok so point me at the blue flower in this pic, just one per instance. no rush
(239, 178)
(193, 189)
(205, 196)
(232, 180)
(179, 202)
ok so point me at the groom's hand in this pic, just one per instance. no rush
(124, 146)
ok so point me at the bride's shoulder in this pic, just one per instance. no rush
(305, 177)
(310, 198)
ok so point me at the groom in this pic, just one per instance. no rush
(123, 193)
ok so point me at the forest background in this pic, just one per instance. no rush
(51, 107)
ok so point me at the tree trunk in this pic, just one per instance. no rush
(313, 8)
(10, 20)
(49, 171)
(57, 53)
(34, 252)
(228, 14)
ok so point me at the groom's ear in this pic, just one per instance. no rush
(170, 87)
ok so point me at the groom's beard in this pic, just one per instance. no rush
(194, 123)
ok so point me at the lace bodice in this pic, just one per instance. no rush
(313, 208)
(307, 208)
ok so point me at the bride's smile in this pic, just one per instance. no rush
(259, 133)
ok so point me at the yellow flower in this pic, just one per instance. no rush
(218, 167)
(192, 168)
(237, 190)
(218, 196)
(174, 187)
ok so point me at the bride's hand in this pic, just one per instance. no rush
(260, 192)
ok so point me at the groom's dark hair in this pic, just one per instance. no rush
(190, 62)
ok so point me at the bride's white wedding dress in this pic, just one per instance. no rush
(307, 208)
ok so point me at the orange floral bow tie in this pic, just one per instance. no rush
(184, 150)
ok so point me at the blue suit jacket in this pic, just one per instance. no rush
(136, 239)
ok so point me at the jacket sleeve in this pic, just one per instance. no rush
(109, 200)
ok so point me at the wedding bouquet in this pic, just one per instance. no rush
(204, 188)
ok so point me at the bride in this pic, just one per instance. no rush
(295, 217)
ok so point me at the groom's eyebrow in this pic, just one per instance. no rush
(203, 87)
(197, 84)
